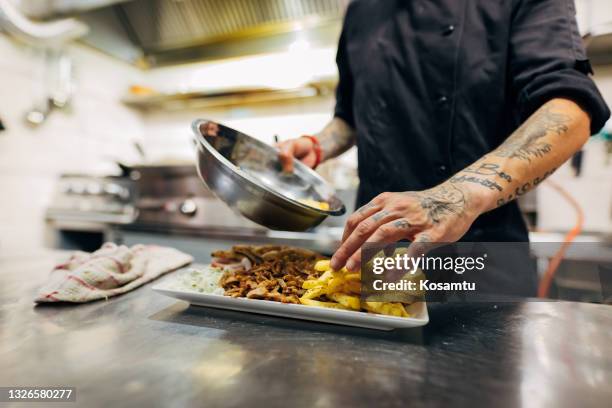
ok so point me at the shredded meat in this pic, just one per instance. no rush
(273, 273)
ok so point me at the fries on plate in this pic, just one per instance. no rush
(341, 290)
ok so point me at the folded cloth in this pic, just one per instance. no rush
(110, 271)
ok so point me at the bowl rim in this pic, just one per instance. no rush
(195, 126)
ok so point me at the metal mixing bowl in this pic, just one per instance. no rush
(247, 175)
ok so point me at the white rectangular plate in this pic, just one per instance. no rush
(320, 314)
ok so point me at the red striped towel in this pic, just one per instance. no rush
(110, 271)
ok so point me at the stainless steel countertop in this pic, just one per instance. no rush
(143, 349)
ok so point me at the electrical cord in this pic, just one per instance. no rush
(555, 261)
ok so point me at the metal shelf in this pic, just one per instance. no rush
(203, 99)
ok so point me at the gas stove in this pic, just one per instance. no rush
(85, 198)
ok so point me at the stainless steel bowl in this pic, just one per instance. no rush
(246, 174)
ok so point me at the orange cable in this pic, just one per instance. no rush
(555, 261)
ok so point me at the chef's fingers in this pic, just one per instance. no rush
(361, 214)
(422, 243)
(286, 155)
(393, 231)
(359, 235)
(301, 148)
(310, 159)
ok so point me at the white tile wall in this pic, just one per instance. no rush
(84, 139)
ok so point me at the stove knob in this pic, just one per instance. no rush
(188, 208)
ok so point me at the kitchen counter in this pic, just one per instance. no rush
(143, 349)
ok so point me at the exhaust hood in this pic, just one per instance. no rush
(162, 32)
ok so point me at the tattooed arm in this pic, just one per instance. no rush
(543, 143)
(336, 138)
(445, 213)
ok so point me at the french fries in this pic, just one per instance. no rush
(349, 301)
(313, 293)
(341, 290)
(392, 309)
(322, 266)
(331, 305)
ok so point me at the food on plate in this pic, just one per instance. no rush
(321, 205)
(202, 281)
(270, 272)
(290, 275)
(342, 290)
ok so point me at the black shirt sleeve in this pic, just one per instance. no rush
(547, 60)
(344, 91)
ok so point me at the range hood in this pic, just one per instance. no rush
(162, 32)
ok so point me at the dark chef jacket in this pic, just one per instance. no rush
(433, 85)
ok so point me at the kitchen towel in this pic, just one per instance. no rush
(109, 271)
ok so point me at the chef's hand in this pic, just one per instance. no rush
(441, 214)
(302, 148)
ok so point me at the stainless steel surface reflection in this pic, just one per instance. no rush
(143, 349)
(247, 175)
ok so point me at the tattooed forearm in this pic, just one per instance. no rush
(488, 169)
(490, 184)
(524, 188)
(486, 174)
(336, 138)
(526, 143)
(532, 153)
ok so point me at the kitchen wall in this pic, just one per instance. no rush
(590, 13)
(83, 140)
(592, 190)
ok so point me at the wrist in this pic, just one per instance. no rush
(316, 146)
(478, 199)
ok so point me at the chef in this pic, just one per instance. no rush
(457, 108)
